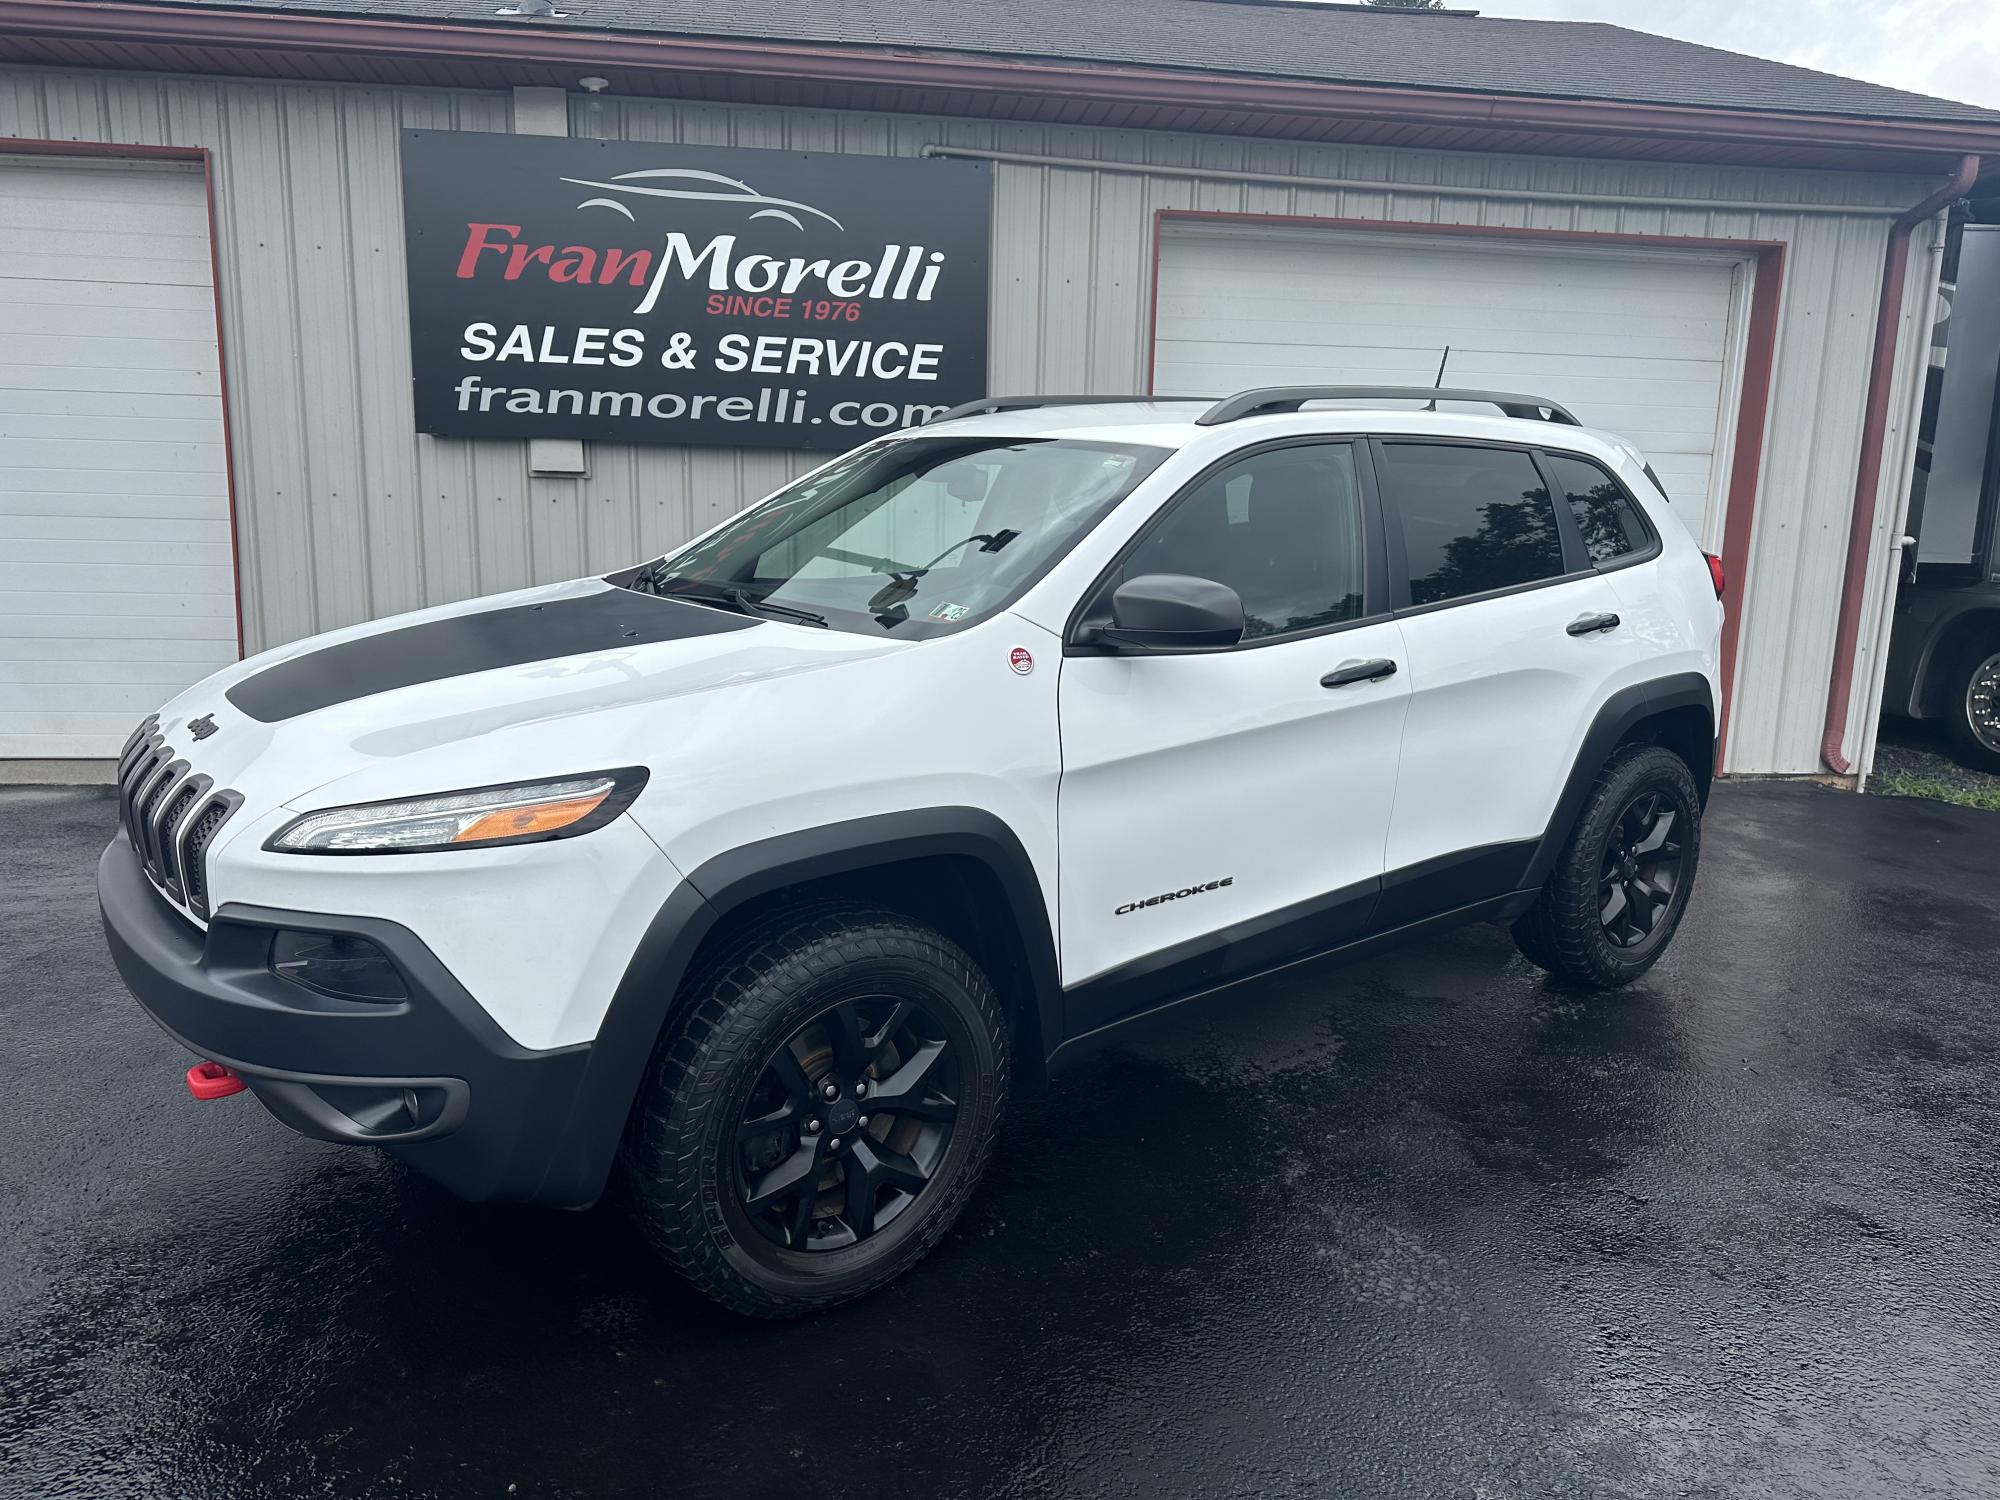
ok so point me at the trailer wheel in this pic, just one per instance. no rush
(1972, 719)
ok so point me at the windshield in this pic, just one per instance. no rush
(914, 537)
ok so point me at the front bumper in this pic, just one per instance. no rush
(432, 1079)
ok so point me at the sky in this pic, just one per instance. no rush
(1948, 48)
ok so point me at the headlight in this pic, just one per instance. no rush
(525, 813)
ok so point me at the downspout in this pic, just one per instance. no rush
(1868, 478)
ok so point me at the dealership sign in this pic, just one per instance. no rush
(689, 294)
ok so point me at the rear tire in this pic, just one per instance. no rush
(1621, 884)
(1972, 718)
(773, 1196)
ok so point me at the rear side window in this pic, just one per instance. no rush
(1472, 519)
(1282, 528)
(1611, 525)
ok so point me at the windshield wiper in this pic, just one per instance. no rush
(655, 579)
(732, 596)
(696, 591)
(751, 605)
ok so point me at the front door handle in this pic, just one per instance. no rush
(1592, 624)
(1350, 672)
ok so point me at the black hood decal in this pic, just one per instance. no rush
(481, 642)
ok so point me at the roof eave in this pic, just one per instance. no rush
(99, 33)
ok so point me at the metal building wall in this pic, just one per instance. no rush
(346, 513)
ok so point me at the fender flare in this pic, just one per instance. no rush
(1929, 693)
(1622, 712)
(644, 1001)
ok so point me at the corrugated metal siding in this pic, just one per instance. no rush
(1899, 456)
(1812, 447)
(345, 513)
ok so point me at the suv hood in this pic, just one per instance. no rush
(489, 687)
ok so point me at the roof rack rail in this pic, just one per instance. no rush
(1287, 398)
(989, 405)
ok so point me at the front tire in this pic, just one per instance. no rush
(1973, 720)
(819, 1116)
(1617, 893)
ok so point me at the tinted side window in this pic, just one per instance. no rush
(1604, 513)
(1282, 528)
(1473, 519)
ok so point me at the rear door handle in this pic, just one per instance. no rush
(1351, 672)
(1592, 624)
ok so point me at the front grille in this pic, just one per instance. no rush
(171, 815)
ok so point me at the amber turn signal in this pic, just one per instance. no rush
(541, 817)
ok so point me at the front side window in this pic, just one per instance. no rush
(1604, 513)
(1282, 528)
(914, 537)
(1472, 519)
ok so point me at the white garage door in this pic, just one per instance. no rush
(116, 575)
(1642, 344)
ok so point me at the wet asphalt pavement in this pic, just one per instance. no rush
(1424, 1225)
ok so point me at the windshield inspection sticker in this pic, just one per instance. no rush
(951, 611)
(1020, 660)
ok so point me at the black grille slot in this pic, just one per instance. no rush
(151, 802)
(144, 774)
(131, 771)
(140, 759)
(194, 846)
(135, 747)
(128, 773)
(178, 807)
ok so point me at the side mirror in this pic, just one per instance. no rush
(1172, 612)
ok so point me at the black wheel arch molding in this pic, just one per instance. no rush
(1673, 706)
(1932, 624)
(738, 881)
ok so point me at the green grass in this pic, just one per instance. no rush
(1935, 789)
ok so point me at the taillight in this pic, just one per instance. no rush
(1716, 575)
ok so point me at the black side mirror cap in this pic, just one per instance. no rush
(1171, 612)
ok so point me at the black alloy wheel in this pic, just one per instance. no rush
(846, 1125)
(1641, 870)
(821, 1109)
(1615, 897)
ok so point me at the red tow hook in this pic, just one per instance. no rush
(210, 1080)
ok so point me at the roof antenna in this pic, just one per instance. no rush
(1438, 384)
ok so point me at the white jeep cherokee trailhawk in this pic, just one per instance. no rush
(754, 871)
